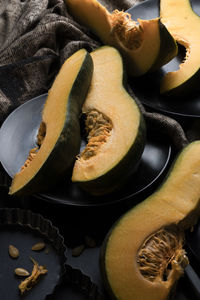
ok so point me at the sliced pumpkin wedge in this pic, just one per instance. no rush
(115, 128)
(184, 25)
(145, 46)
(142, 256)
(59, 133)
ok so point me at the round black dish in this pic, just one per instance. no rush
(23, 229)
(18, 135)
(146, 88)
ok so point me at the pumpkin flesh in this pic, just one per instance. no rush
(184, 26)
(116, 125)
(140, 247)
(138, 42)
(60, 119)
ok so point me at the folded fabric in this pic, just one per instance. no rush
(35, 38)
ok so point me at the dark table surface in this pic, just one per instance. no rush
(75, 222)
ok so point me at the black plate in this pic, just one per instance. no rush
(147, 87)
(18, 135)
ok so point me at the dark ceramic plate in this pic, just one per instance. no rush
(18, 135)
(146, 88)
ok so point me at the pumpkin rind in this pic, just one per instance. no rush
(173, 208)
(168, 48)
(119, 154)
(60, 115)
(184, 25)
(118, 30)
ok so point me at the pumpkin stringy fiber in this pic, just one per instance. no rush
(162, 253)
(98, 129)
(127, 30)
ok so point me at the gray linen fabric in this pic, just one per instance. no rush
(36, 36)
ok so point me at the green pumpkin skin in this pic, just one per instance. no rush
(184, 25)
(113, 177)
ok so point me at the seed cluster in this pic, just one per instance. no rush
(31, 155)
(127, 30)
(33, 152)
(161, 253)
(98, 128)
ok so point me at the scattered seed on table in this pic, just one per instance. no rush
(13, 251)
(21, 272)
(78, 250)
(39, 246)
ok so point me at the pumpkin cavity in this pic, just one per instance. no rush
(31, 156)
(162, 255)
(33, 152)
(41, 133)
(128, 32)
(98, 129)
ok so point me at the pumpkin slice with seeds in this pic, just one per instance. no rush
(145, 45)
(58, 137)
(114, 125)
(142, 256)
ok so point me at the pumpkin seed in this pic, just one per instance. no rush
(90, 242)
(31, 155)
(39, 246)
(21, 272)
(13, 251)
(78, 250)
(98, 129)
(161, 250)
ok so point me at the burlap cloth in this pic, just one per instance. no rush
(36, 36)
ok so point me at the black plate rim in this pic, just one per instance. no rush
(98, 204)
